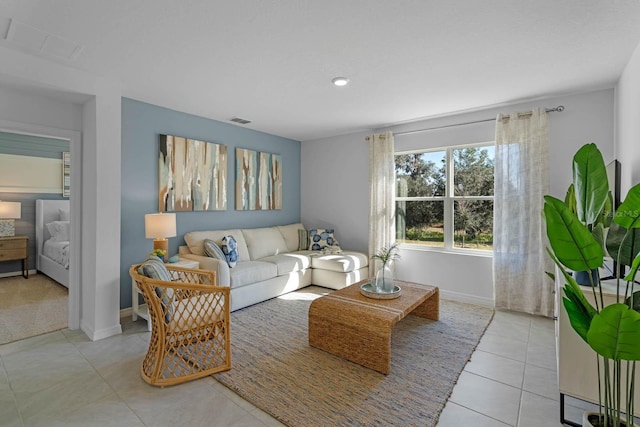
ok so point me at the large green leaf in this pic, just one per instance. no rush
(628, 213)
(623, 249)
(615, 333)
(571, 241)
(570, 199)
(631, 276)
(579, 310)
(590, 182)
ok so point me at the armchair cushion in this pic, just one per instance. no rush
(154, 268)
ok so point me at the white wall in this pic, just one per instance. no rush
(43, 87)
(335, 181)
(628, 123)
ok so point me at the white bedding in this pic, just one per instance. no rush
(57, 251)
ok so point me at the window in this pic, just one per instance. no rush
(444, 197)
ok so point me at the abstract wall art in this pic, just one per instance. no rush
(192, 175)
(258, 180)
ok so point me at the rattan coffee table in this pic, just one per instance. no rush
(349, 325)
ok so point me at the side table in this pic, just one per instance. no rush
(16, 248)
(141, 310)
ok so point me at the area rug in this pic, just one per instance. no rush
(30, 307)
(274, 368)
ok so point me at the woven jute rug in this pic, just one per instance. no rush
(274, 368)
(30, 307)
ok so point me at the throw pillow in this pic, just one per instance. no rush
(320, 238)
(230, 249)
(154, 268)
(212, 250)
(303, 240)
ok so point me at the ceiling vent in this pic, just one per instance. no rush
(240, 120)
(34, 40)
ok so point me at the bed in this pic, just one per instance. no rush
(52, 239)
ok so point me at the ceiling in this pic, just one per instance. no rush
(272, 62)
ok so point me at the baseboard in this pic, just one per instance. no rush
(471, 299)
(102, 333)
(16, 273)
(126, 312)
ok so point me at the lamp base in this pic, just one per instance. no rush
(162, 244)
(7, 227)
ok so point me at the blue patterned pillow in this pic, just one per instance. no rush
(154, 268)
(211, 249)
(230, 249)
(320, 238)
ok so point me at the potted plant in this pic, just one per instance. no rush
(384, 276)
(160, 253)
(612, 331)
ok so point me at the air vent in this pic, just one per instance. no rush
(34, 40)
(241, 120)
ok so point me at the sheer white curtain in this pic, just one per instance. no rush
(521, 181)
(381, 194)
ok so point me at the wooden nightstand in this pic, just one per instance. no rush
(16, 248)
(141, 310)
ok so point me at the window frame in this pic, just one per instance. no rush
(448, 199)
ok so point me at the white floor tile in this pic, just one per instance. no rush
(454, 415)
(536, 411)
(498, 368)
(541, 381)
(501, 346)
(488, 397)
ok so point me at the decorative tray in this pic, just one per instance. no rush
(368, 291)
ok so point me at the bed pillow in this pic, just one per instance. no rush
(320, 238)
(212, 250)
(60, 231)
(230, 249)
(64, 215)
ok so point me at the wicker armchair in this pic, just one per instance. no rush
(189, 326)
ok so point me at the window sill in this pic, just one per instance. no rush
(453, 251)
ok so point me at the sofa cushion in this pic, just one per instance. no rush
(345, 262)
(320, 238)
(290, 235)
(230, 249)
(249, 272)
(195, 241)
(289, 262)
(262, 242)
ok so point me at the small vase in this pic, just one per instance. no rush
(384, 280)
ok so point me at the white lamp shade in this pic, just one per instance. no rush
(160, 225)
(11, 210)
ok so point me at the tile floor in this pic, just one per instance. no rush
(63, 379)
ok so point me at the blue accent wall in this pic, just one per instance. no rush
(142, 125)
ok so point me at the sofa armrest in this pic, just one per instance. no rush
(221, 268)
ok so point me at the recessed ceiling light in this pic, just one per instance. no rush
(340, 81)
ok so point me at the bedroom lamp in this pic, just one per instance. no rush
(158, 227)
(9, 212)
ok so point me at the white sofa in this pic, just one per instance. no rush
(270, 264)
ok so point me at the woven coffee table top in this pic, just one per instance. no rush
(393, 310)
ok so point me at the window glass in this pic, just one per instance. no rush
(473, 223)
(435, 209)
(420, 222)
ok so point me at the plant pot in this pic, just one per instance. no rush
(582, 277)
(590, 419)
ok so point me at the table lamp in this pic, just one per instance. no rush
(158, 227)
(9, 212)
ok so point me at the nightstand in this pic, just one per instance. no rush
(141, 310)
(16, 248)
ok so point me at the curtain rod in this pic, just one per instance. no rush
(558, 109)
